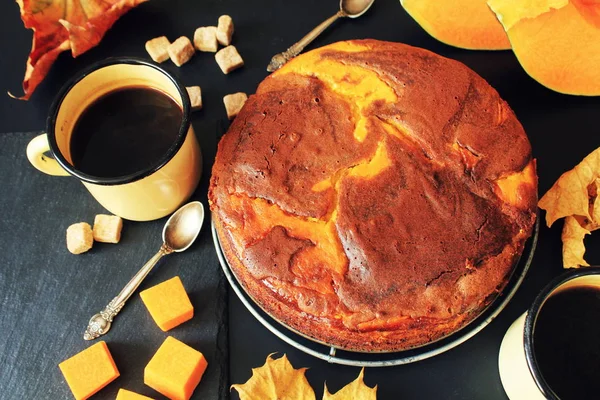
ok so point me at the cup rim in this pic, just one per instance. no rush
(119, 180)
(531, 318)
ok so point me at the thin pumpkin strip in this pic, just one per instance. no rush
(556, 41)
(468, 24)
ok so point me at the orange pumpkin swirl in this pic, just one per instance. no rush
(374, 196)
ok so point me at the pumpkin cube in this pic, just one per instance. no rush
(175, 370)
(128, 395)
(89, 371)
(168, 303)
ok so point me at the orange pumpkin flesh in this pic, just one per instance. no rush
(559, 47)
(469, 24)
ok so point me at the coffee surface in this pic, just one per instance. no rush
(566, 342)
(124, 132)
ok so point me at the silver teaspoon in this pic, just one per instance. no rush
(179, 233)
(348, 8)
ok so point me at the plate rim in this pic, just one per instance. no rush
(415, 354)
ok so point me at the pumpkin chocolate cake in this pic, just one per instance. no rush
(374, 196)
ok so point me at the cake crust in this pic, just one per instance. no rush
(374, 196)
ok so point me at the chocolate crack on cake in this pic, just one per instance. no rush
(374, 196)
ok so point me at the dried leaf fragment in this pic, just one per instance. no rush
(277, 379)
(573, 247)
(574, 196)
(570, 193)
(355, 390)
(59, 25)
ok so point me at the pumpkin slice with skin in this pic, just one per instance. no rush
(556, 41)
(469, 24)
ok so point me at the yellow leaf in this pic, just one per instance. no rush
(276, 380)
(572, 238)
(569, 195)
(356, 390)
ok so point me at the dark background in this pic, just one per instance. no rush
(36, 294)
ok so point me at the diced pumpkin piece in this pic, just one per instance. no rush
(128, 395)
(89, 371)
(175, 370)
(469, 24)
(168, 303)
(556, 41)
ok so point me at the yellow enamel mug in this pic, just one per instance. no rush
(151, 193)
(519, 370)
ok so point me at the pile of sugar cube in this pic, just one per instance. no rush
(206, 39)
(81, 236)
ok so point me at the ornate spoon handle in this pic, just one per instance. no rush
(100, 323)
(279, 59)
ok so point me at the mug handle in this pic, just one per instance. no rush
(35, 153)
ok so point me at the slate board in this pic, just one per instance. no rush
(47, 294)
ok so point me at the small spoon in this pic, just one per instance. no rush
(348, 8)
(179, 233)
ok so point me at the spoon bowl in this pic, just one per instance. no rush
(355, 8)
(183, 227)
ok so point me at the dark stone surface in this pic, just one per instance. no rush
(47, 294)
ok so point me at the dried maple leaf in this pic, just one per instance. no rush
(573, 247)
(570, 193)
(355, 390)
(60, 25)
(276, 380)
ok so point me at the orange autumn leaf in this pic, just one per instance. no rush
(355, 390)
(276, 380)
(60, 25)
(570, 193)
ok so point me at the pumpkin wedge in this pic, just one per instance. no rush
(556, 41)
(469, 24)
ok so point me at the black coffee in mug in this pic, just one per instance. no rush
(566, 342)
(125, 131)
